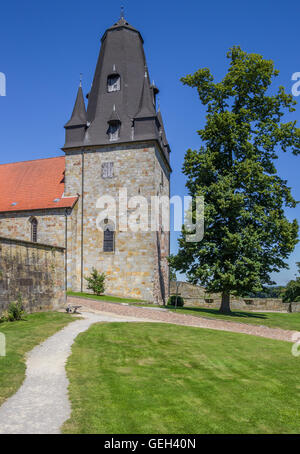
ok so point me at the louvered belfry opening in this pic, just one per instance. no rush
(113, 83)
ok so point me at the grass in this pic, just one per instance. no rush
(21, 337)
(148, 378)
(290, 321)
(112, 299)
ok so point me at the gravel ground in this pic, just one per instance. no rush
(41, 405)
(182, 319)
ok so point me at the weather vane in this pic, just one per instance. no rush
(122, 12)
(80, 84)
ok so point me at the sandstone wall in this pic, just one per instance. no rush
(294, 307)
(138, 266)
(35, 271)
(50, 229)
(195, 295)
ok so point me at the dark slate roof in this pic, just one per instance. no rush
(133, 105)
(113, 116)
(146, 105)
(79, 117)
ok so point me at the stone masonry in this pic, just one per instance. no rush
(138, 266)
(33, 271)
(195, 295)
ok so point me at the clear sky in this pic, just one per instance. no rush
(44, 46)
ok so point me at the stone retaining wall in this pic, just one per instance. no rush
(195, 295)
(294, 307)
(33, 270)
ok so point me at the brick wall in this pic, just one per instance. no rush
(33, 270)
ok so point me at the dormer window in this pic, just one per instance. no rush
(113, 83)
(114, 130)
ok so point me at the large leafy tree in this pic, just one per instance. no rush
(247, 235)
(292, 290)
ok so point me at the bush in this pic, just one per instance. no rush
(172, 301)
(14, 312)
(96, 282)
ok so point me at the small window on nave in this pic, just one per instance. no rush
(113, 83)
(34, 226)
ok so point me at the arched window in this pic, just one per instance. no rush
(34, 226)
(113, 83)
(108, 239)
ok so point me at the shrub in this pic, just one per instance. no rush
(172, 301)
(14, 312)
(96, 282)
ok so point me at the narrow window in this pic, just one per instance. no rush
(34, 224)
(107, 170)
(113, 83)
(114, 130)
(108, 240)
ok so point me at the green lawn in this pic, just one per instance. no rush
(21, 337)
(289, 321)
(155, 378)
(111, 299)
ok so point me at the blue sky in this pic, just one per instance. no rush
(44, 46)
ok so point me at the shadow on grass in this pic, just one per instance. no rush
(235, 314)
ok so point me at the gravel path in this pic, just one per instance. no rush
(41, 405)
(182, 319)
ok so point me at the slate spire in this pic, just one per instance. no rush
(78, 117)
(76, 126)
(121, 93)
(146, 106)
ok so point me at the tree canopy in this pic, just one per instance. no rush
(292, 290)
(247, 235)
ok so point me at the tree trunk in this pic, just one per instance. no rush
(225, 305)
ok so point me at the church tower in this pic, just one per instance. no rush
(118, 142)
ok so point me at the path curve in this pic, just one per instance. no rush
(186, 320)
(41, 404)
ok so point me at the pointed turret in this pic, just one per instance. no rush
(146, 106)
(76, 126)
(163, 138)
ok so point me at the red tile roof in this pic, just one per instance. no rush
(34, 185)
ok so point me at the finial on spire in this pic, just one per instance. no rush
(80, 80)
(122, 12)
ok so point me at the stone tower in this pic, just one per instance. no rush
(119, 142)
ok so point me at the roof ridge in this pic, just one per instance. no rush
(32, 160)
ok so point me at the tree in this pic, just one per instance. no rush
(292, 290)
(96, 282)
(247, 235)
(172, 272)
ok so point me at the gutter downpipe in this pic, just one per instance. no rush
(66, 254)
(82, 211)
